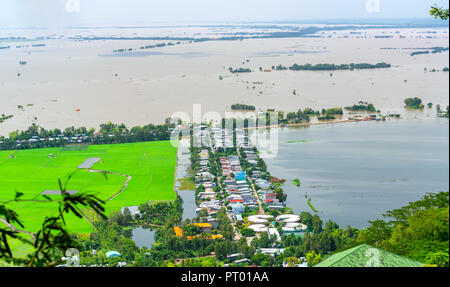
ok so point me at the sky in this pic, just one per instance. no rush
(46, 13)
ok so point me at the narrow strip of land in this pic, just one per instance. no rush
(125, 184)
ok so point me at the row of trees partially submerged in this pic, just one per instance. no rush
(4, 117)
(332, 67)
(319, 67)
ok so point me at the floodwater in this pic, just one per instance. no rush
(155, 53)
(188, 196)
(291, 52)
(355, 172)
(68, 82)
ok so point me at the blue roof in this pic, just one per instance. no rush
(112, 254)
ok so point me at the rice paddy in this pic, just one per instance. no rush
(136, 173)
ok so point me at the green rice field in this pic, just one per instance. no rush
(147, 169)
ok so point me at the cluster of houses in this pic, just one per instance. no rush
(236, 188)
(207, 198)
(265, 192)
(240, 194)
(267, 196)
(250, 155)
(201, 136)
(222, 138)
(236, 194)
(237, 191)
(74, 139)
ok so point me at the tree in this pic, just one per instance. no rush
(317, 224)
(223, 248)
(377, 232)
(438, 258)
(439, 12)
(280, 195)
(414, 103)
(14, 135)
(191, 230)
(313, 258)
(306, 218)
(247, 232)
(430, 200)
(261, 259)
(243, 248)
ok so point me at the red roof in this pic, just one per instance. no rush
(237, 200)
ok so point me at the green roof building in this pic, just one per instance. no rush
(367, 256)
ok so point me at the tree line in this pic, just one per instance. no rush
(332, 67)
(243, 107)
(362, 106)
(109, 133)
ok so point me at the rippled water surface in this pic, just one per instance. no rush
(354, 172)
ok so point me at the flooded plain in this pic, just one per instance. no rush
(76, 79)
(355, 172)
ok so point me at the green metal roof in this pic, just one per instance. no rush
(367, 256)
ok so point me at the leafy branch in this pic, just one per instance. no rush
(439, 12)
(53, 239)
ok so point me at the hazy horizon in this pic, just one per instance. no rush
(50, 13)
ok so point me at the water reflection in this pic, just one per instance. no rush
(143, 237)
(188, 196)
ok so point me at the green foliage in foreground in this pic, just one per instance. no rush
(419, 231)
(49, 244)
(439, 12)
